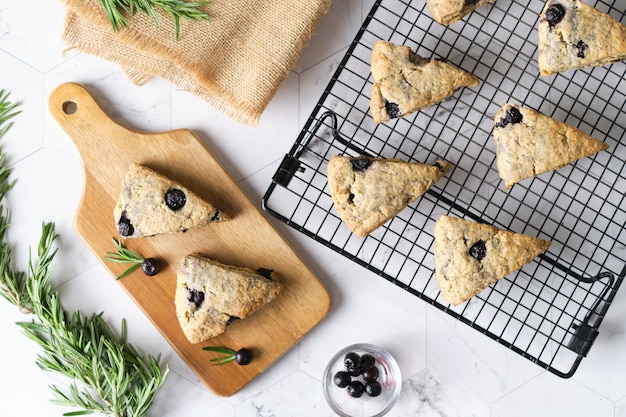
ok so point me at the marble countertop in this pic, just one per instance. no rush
(448, 368)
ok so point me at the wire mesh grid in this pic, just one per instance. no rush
(550, 310)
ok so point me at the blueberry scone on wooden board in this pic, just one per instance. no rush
(151, 204)
(367, 192)
(529, 143)
(210, 295)
(471, 256)
(405, 82)
(575, 35)
(447, 12)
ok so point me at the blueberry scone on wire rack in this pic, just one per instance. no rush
(574, 35)
(367, 192)
(151, 204)
(470, 256)
(210, 295)
(529, 143)
(447, 12)
(405, 82)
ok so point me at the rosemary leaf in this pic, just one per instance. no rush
(118, 10)
(109, 376)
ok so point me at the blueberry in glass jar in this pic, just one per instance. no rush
(342, 379)
(355, 389)
(373, 388)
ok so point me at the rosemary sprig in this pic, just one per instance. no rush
(126, 256)
(118, 10)
(114, 378)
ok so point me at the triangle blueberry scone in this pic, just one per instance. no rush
(150, 204)
(447, 12)
(367, 192)
(575, 35)
(529, 143)
(471, 256)
(405, 82)
(210, 295)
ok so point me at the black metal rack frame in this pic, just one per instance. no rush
(550, 310)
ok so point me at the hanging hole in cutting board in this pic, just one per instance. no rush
(70, 107)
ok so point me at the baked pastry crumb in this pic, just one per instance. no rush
(367, 192)
(447, 12)
(151, 204)
(405, 82)
(210, 295)
(471, 256)
(529, 143)
(574, 35)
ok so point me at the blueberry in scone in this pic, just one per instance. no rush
(404, 82)
(471, 256)
(575, 35)
(151, 204)
(447, 12)
(210, 295)
(529, 143)
(367, 192)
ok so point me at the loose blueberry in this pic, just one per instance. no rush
(355, 389)
(367, 362)
(231, 319)
(511, 116)
(582, 47)
(243, 356)
(264, 272)
(360, 164)
(150, 267)
(555, 14)
(124, 227)
(373, 388)
(352, 361)
(342, 379)
(175, 199)
(371, 374)
(393, 110)
(195, 296)
(478, 250)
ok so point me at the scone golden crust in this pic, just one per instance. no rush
(367, 192)
(209, 295)
(470, 256)
(404, 82)
(449, 11)
(574, 35)
(529, 143)
(151, 204)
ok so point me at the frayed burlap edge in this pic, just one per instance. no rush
(142, 61)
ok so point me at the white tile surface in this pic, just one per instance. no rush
(449, 369)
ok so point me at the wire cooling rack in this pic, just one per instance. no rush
(549, 311)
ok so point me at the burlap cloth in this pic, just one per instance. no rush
(236, 61)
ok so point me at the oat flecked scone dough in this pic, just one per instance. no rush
(575, 35)
(367, 192)
(471, 256)
(529, 143)
(447, 12)
(141, 209)
(405, 82)
(210, 294)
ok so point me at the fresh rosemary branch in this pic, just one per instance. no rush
(114, 378)
(150, 266)
(118, 10)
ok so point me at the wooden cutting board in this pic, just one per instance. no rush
(107, 149)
